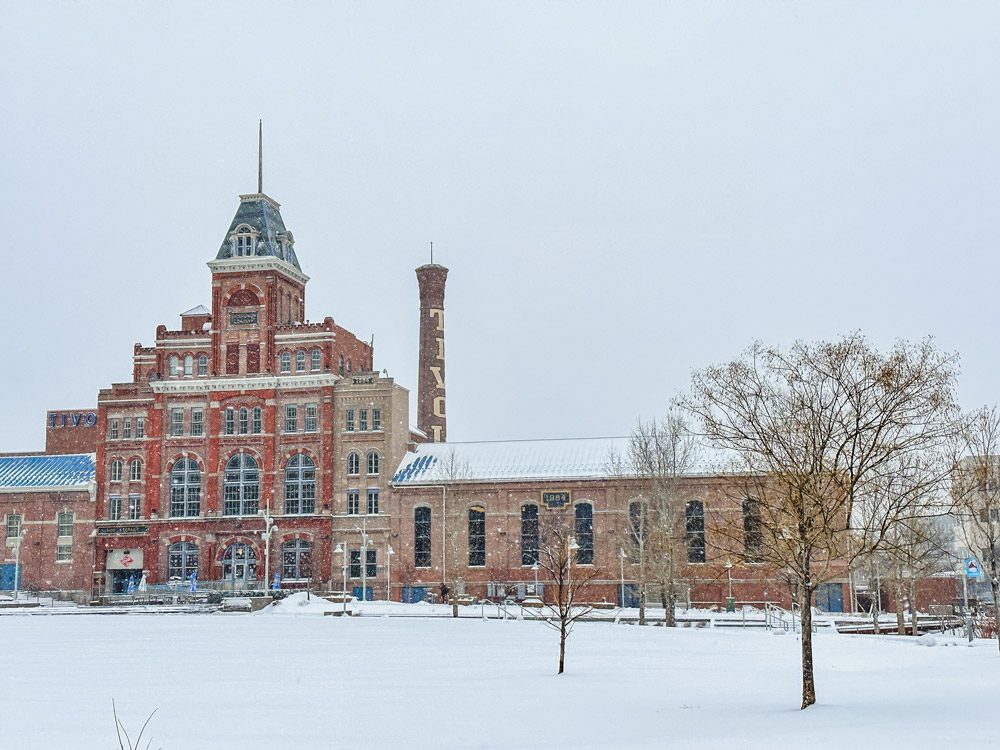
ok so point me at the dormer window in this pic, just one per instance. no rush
(243, 241)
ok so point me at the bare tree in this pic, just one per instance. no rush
(976, 495)
(661, 452)
(914, 548)
(557, 551)
(816, 431)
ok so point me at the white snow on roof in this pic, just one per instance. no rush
(513, 460)
(70, 470)
(199, 310)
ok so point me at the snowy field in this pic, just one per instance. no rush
(275, 681)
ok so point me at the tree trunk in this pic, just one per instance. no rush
(913, 606)
(876, 607)
(900, 622)
(642, 594)
(808, 681)
(995, 585)
(669, 619)
(562, 642)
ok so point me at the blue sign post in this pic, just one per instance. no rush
(972, 568)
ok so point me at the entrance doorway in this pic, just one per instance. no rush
(239, 566)
(120, 580)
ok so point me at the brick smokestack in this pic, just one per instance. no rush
(430, 378)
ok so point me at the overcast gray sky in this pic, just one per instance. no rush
(623, 191)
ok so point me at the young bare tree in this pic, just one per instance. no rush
(662, 452)
(914, 548)
(816, 431)
(557, 552)
(976, 495)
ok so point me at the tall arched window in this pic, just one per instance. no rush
(300, 361)
(753, 537)
(529, 534)
(421, 537)
(244, 420)
(300, 484)
(285, 362)
(174, 367)
(694, 514)
(188, 366)
(296, 560)
(135, 470)
(317, 359)
(353, 464)
(203, 364)
(182, 560)
(373, 462)
(185, 489)
(241, 490)
(115, 470)
(584, 531)
(239, 564)
(477, 536)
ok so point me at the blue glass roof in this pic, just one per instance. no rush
(71, 470)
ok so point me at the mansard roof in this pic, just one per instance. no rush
(263, 215)
(75, 470)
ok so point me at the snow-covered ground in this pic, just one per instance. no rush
(291, 677)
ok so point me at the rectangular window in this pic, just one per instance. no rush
(115, 507)
(176, 422)
(197, 422)
(127, 428)
(477, 537)
(312, 420)
(376, 419)
(349, 420)
(113, 428)
(372, 501)
(134, 507)
(230, 422)
(64, 552)
(317, 359)
(363, 420)
(355, 563)
(353, 501)
(64, 524)
(13, 525)
(291, 418)
(371, 568)
(244, 420)
(257, 419)
(202, 364)
(140, 427)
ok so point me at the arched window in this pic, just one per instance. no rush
(296, 560)
(182, 560)
(529, 534)
(584, 533)
(185, 489)
(244, 420)
(353, 464)
(694, 514)
(285, 362)
(421, 537)
(239, 564)
(258, 419)
(135, 470)
(317, 359)
(241, 489)
(300, 361)
(174, 367)
(243, 244)
(188, 366)
(203, 364)
(753, 537)
(373, 462)
(341, 364)
(477, 536)
(115, 470)
(300, 484)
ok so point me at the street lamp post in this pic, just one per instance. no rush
(535, 568)
(343, 551)
(621, 563)
(389, 552)
(17, 562)
(363, 530)
(729, 579)
(265, 535)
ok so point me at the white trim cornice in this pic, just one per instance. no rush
(267, 382)
(256, 263)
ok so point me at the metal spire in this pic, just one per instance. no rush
(432, 253)
(260, 156)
